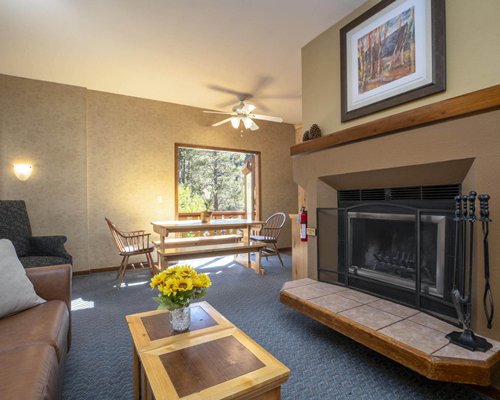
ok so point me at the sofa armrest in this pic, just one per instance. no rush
(49, 246)
(52, 283)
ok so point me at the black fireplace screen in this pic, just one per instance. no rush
(396, 251)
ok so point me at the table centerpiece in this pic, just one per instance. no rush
(177, 286)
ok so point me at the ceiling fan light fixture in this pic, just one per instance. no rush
(247, 122)
(235, 122)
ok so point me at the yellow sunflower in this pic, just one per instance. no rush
(186, 271)
(156, 280)
(170, 287)
(171, 271)
(184, 284)
(202, 281)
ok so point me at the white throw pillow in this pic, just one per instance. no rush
(16, 290)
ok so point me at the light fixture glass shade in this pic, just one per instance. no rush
(235, 122)
(247, 122)
(23, 171)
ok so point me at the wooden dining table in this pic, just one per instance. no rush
(165, 228)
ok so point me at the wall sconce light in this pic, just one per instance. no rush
(23, 171)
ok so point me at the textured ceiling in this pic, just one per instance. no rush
(201, 53)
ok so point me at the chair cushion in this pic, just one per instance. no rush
(265, 239)
(47, 323)
(16, 290)
(15, 225)
(41, 261)
(29, 372)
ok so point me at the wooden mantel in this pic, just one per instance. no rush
(468, 104)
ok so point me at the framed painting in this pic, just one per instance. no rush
(392, 54)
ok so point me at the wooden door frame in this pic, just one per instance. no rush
(258, 175)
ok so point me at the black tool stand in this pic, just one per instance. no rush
(468, 340)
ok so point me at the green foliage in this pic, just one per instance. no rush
(213, 176)
(189, 201)
(179, 300)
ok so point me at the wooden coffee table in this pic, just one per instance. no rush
(212, 360)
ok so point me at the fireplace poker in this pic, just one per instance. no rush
(489, 309)
(464, 232)
(472, 220)
(456, 297)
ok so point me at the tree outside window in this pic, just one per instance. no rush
(210, 176)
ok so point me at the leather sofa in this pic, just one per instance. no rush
(34, 343)
(32, 251)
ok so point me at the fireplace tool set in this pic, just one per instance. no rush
(465, 218)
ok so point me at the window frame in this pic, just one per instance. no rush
(258, 174)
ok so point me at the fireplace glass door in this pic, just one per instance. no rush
(392, 248)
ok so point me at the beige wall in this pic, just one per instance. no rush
(131, 162)
(472, 52)
(45, 125)
(98, 154)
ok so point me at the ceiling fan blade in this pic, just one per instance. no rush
(266, 118)
(247, 108)
(217, 112)
(222, 122)
(254, 126)
(261, 106)
(261, 84)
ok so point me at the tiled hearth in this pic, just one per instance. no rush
(396, 324)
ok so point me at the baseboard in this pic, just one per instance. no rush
(117, 267)
(108, 269)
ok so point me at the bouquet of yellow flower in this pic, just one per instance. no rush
(178, 285)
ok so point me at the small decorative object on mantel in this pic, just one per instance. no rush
(392, 54)
(314, 131)
(177, 286)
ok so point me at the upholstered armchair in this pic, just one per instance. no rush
(33, 251)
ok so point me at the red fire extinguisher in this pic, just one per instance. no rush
(303, 224)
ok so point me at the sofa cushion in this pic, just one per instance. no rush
(15, 225)
(46, 323)
(16, 290)
(41, 261)
(29, 372)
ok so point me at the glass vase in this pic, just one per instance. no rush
(180, 319)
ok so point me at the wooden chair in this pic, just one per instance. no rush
(269, 234)
(131, 244)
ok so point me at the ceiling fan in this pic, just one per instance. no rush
(243, 114)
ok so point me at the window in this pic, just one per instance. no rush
(222, 180)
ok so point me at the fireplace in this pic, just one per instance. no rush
(396, 243)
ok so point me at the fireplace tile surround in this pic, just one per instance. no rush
(463, 151)
(415, 329)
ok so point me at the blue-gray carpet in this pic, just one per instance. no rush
(324, 364)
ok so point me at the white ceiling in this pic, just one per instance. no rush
(194, 52)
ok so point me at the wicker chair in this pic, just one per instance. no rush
(269, 234)
(129, 244)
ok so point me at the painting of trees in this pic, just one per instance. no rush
(387, 53)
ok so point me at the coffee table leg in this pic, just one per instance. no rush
(273, 394)
(137, 378)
